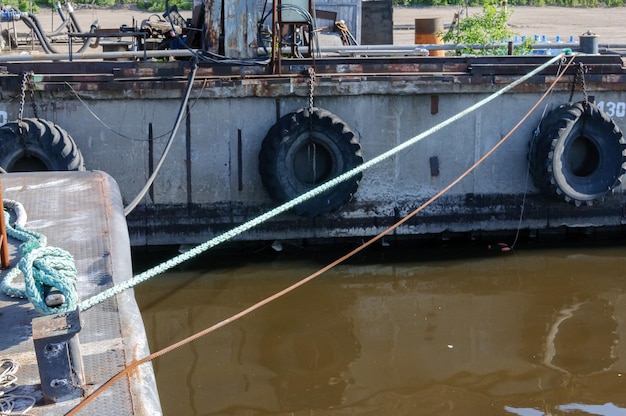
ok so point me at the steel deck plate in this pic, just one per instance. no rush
(81, 212)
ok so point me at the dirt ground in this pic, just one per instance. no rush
(607, 23)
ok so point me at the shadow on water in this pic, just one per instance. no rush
(411, 330)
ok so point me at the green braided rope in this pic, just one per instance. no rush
(142, 277)
(43, 267)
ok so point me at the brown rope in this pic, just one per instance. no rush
(302, 282)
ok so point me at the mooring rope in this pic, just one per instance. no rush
(559, 72)
(42, 266)
(175, 261)
(368, 243)
(45, 267)
(53, 267)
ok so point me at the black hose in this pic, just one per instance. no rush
(43, 40)
(60, 11)
(96, 43)
(181, 112)
(37, 24)
(69, 25)
(87, 40)
(60, 31)
(74, 21)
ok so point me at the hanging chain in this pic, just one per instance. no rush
(31, 87)
(25, 80)
(313, 146)
(580, 76)
(581, 73)
(311, 72)
(20, 113)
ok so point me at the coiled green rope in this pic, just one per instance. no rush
(43, 268)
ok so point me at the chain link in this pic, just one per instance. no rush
(27, 80)
(31, 87)
(313, 145)
(20, 113)
(581, 73)
(311, 72)
(580, 76)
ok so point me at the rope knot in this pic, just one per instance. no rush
(45, 268)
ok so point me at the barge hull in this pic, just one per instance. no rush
(120, 114)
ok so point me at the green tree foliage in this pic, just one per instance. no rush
(150, 5)
(23, 5)
(159, 5)
(486, 28)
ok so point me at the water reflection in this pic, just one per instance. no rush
(531, 333)
(309, 355)
(581, 339)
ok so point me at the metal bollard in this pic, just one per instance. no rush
(58, 356)
(588, 43)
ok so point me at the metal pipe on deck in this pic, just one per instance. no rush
(99, 55)
(348, 50)
(423, 49)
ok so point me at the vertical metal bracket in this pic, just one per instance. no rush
(434, 166)
(4, 242)
(58, 354)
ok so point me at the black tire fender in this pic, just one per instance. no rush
(305, 149)
(578, 154)
(39, 145)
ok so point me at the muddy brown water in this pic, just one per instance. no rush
(420, 331)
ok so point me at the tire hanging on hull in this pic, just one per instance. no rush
(305, 149)
(578, 155)
(41, 145)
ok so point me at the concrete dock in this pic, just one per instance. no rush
(82, 213)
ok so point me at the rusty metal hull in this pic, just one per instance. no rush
(119, 114)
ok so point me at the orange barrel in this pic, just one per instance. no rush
(429, 31)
